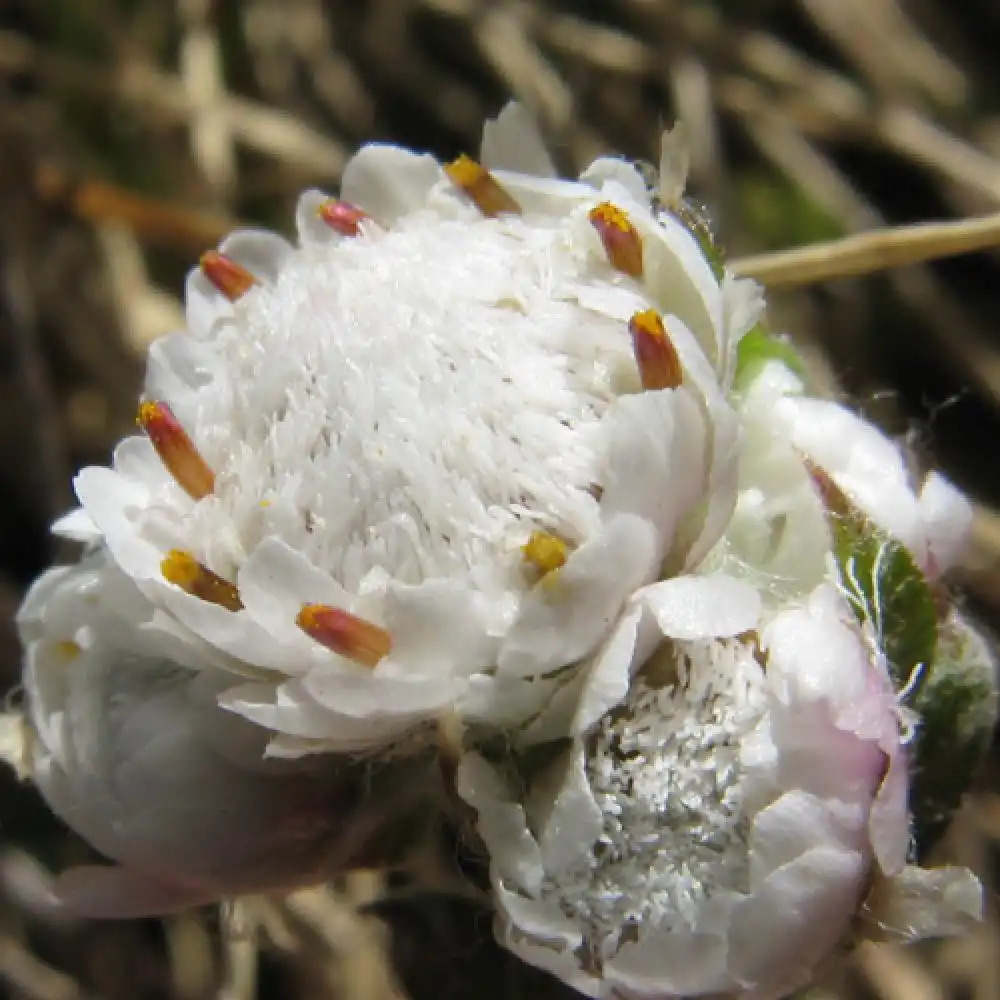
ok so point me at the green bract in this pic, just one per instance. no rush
(957, 708)
(757, 348)
(888, 592)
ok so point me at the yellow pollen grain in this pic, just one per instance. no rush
(545, 551)
(181, 569)
(610, 215)
(309, 615)
(148, 412)
(464, 171)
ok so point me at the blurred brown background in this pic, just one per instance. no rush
(133, 133)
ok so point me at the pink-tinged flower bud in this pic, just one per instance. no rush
(727, 803)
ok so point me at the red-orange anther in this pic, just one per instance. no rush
(482, 187)
(655, 354)
(344, 633)
(228, 277)
(621, 239)
(176, 450)
(183, 570)
(342, 216)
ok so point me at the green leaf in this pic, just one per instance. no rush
(888, 592)
(756, 349)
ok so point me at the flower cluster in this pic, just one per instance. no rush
(516, 452)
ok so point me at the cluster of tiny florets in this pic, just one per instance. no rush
(665, 772)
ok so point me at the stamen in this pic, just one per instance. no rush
(183, 570)
(544, 551)
(659, 364)
(343, 217)
(344, 633)
(176, 450)
(482, 187)
(228, 277)
(621, 239)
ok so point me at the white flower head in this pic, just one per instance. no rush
(717, 831)
(478, 446)
(422, 459)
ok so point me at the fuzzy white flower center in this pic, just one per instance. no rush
(665, 772)
(415, 400)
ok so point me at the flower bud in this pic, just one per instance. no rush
(130, 747)
(715, 831)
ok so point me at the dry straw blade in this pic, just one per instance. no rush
(866, 253)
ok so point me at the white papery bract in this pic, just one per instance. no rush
(391, 415)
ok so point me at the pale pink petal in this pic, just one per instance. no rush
(574, 820)
(119, 893)
(606, 677)
(889, 824)
(798, 822)
(620, 173)
(439, 628)
(678, 962)
(261, 252)
(76, 526)
(501, 823)
(783, 930)
(656, 460)
(309, 225)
